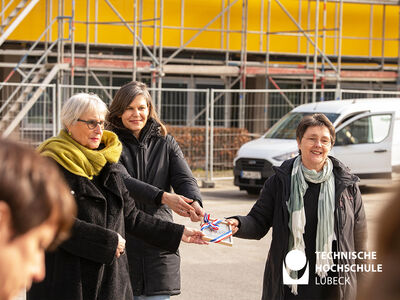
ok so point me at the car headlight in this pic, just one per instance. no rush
(286, 156)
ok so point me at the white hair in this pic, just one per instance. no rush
(80, 103)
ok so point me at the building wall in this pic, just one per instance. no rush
(356, 24)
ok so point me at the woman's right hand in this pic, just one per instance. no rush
(178, 204)
(121, 246)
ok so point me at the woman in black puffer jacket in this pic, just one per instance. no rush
(154, 157)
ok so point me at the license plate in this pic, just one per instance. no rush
(250, 174)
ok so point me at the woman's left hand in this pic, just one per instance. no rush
(193, 236)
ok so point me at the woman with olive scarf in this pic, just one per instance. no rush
(91, 265)
(314, 205)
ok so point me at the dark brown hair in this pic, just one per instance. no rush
(123, 98)
(34, 190)
(315, 120)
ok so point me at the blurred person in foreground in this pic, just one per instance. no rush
(92, 264)
(151, 155)
(36, 213)
(385, 285)
(313, 203)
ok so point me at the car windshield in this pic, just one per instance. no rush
(286, 127)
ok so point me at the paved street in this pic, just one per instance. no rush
(221, 272)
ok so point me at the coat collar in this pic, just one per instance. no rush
(152, 128)
(342, 173)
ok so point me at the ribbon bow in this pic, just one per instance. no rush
(208, 223)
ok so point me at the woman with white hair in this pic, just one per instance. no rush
(91, 265)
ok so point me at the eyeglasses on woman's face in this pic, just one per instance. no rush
(92, 124)
(316, 141)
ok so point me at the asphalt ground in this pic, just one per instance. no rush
(221, 272)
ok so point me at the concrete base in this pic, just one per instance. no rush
(207, 184)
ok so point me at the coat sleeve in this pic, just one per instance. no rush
(92, 242)
(182, 179)
(259, 220)
(139, 190)
(159, 233)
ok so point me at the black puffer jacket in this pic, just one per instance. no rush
(85, 267)
(158, 161)
(270, 210)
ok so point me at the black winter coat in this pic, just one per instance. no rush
(85, 267)
(158, 161)
(270, 210)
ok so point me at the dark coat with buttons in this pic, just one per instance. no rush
(158, 161)
(85, 267)
(270, 211)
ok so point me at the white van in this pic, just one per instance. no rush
(367, 141)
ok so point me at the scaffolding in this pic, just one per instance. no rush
(88, 60)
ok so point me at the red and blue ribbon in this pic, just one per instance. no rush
(214, 225)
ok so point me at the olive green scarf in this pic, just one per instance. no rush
(78, 159)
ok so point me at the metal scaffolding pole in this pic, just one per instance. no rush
(308, 30)
(243, 61)
(96, 19)
(261, 35)
(315, 75)
(87, 44)
(338, 95)
(140, 28)
(267, 43)
(323, 50)
(228, 26)
(383, 37)
(154, 74)
(160, 57)
(134, 68)
(299, 36)
(72, 44)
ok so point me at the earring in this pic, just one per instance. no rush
(69, 133)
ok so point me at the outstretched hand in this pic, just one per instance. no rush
(193, 236)
(183, 206)
(234, 224)
(177, 203)
(198, 213)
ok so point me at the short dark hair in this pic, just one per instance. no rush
(312, 121)
(34, 190)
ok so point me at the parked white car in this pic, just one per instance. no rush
(367, 141)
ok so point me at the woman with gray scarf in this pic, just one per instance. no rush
(313, 203)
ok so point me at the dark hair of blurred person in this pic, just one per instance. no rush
(36, 212)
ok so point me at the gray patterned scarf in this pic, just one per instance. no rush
(326, 206)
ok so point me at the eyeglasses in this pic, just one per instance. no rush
(312, 141)
(92, 124)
